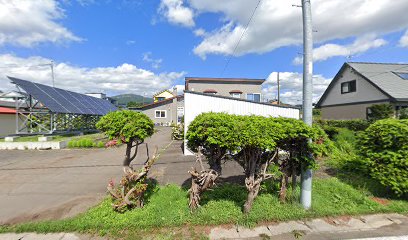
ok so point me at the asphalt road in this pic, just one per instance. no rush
(55, 184)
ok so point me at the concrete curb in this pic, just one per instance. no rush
(32, 145)
(321, 225)
(300, 228)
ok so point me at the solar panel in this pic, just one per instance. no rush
(58, 100)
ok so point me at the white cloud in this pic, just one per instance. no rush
(27, 23)
(155, 63)
(180, 89)
(125, 78)
(291, 84)
(277, 23)
(404, 40)
(360, 45)
(200, 32)
(175, 12)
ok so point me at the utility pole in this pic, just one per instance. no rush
(51, 64)
(306, 175)
(52, 73)
(278, 90)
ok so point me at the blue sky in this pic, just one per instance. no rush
(142, 46)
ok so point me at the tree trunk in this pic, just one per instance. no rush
(127, 160)
(215, 165)
(252, 194)
(293, 179)
(200, 182)
(130, 192)
(284, 184)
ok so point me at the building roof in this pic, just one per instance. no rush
(168, 100)
(4, 110)
(223, 80)
(13, 95)
(383, 76)
(166, 90)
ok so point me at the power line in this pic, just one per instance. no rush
(24, 66)
(242, 35)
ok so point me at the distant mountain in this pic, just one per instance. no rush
(124, 99)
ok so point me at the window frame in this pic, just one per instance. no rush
(237, 95)
(161, 111)
(260, 97)
(402, 75)
(350, 88)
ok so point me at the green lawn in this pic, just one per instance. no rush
(168, 207)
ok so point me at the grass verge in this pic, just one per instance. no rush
(168, 207)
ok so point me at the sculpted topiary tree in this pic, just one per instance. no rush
(210, 135)
(254, 142)
(258, 139)
(299, 151)
(216, 134)
(131, 128)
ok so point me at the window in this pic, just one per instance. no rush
(160, 113)
(161, 98)
(210, 91)
(403, 75)
(348, 87)
(236, 95)
(256, 97)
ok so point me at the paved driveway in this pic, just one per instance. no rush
(54, 184)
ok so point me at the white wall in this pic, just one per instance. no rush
(7, 124)
(195, 104)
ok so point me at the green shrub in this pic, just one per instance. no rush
(322, 143)
(126, 125)
(253, 142)
(384, 148)
(82, 143)
(344, 155)
(330, 131)
(403, 114)
(130, 127)
(177, 131)
(380, 111)
(216, 133)
(100, 144)
(354, 124)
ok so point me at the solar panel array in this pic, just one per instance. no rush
(62, 101)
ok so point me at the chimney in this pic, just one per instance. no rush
(174, 91)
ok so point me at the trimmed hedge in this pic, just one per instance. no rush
(221, 133)
(384, 148)
(354, 124)
(85, 143)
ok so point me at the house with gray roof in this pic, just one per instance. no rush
(358, 86)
